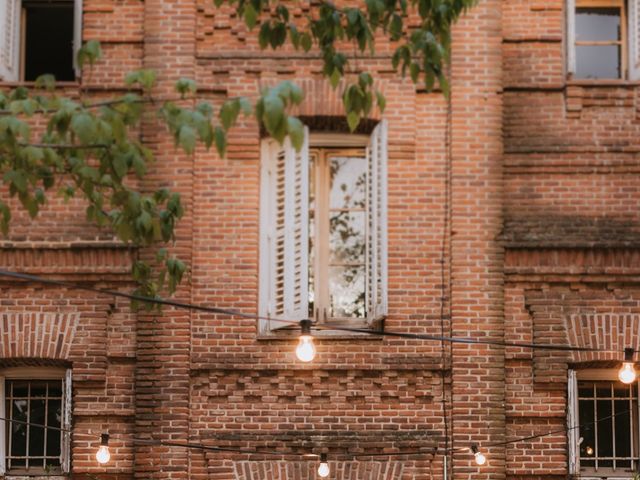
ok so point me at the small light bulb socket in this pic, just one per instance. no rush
(323, 458)
(628, 355)
(104, 440)
(305, 327)
(474, 448)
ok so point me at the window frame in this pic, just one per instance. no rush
(37, 374)
(12, 17)
(321, 263)
(573, 422)
(280, 304)
(629, 24)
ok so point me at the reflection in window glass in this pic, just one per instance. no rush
(597, 24)
(598, 61)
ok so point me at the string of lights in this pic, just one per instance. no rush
(103, 454)
(298, 323)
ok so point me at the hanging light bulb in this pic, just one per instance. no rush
(103, 455)
(589, 450)
(306, 350)
(323, 468)
(479, 457)
(627, 373)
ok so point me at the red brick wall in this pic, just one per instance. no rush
(544, 236)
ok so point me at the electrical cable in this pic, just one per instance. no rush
(235, 313)
(422, 451)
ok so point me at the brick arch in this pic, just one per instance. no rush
(602, 330)
(320, 99)
(350, 470)
(37, 335)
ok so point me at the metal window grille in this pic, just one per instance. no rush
(32, 448)
(608, 412)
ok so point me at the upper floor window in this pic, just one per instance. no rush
(323, 230)
(602, 39)
(38, 37)
(38, 403)
(603, 422)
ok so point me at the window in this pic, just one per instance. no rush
(603, 39)
(603, 422)
(38, 397)
(38, 37)
(323, 230)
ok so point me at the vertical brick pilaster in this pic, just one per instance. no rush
(162, 377)
(477, 255)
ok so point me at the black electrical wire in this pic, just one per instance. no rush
(422, 451)
(235, 313)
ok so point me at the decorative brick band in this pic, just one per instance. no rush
(351, 470)
(37, 335)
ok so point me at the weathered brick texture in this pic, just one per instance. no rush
(542, 246)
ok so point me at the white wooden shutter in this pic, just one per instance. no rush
(9, 40)
(571, 37)
(634, 47)
(376, 251)
(573, 432)
(284, 231)
(3, 430)
(77, 34)
(65, 446)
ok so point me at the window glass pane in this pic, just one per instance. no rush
(18, 430)
(597, 61)
(605, 428)
(38, 389)
(347, 239)
(54, 419)
(20, 389)
(622, 391)
(36, 434)
(346, 285)
(587, 432)
(623, 428)
(348, 182)
(597, 24)
(585, 389)
(55, 388)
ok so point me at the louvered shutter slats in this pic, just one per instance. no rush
(284, 230)
(376, 252)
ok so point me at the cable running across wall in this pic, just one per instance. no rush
(423, 451)
(296, 323)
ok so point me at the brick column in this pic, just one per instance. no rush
(477, 255)
(163, 351)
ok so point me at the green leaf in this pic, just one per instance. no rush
(382, 102)
(185, 85)
(83, 125)
(273, 112)
(295, 129)
(353, 119)
(187, 138)
(250, 16)
(229, 113)
(221, 141)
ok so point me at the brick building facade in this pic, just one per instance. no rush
(540, 236)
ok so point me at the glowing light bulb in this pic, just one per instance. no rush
(627, 373)
(306, 350)
(323, 468)
(103, 455)
(479, 457)
(589, 450)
